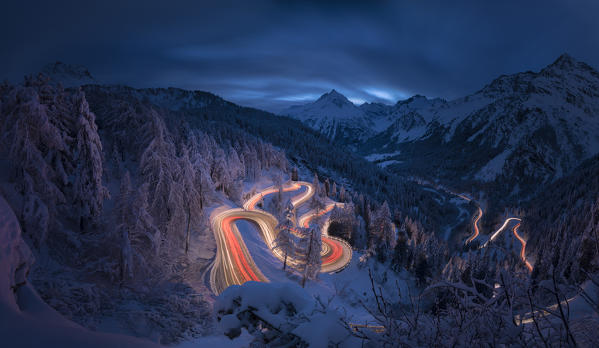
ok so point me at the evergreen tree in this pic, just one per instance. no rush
(312, 260)
(89, 193)
(284, 240)
(144, 234)
(192, 198)
(316, 185)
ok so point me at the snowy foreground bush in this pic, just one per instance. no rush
(26, 320)
(280, 314)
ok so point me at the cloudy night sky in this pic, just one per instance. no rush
(270, 54)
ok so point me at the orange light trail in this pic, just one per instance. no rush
(476, 231)
(322, 212)
(255, 201)
(523, 251)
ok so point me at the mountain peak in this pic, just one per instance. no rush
(564, 61)
(333, 94)
(566, 64)
(334, 97)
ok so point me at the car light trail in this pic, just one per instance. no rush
(336, 251)
(251, 203)
(240, 260)
(233, 263)
(305, 220)
(505, 223)
(523, 250)
(476, 230)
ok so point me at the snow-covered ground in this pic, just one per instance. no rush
(348, 290)
(494, 167)
(27, 321)
(381, 156)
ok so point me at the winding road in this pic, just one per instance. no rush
(475, 225)
(476, 231)
(523, 250)
(234, 264)
(334, 257)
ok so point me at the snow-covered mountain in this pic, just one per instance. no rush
(534, 126)
(333, 115)
(410, 115)
(68, 75)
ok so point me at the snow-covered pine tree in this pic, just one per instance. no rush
(35, 147)
(250, 160)
(284, 240)
(316, 185)
(277, 206)
(88, 191)
(192, 198)
(220, 173)
(156, 166)
(144, 234)
(201, 166)
(236, 167)
(317, 202)
(386, 232)
(312, 261)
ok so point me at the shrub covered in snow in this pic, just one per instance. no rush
(280, 314)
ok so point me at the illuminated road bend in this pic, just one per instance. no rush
(494, 235)
(296, 201)
(476, 230)
(523, 250)
(336, 253)
(233, 263)
(520, 239)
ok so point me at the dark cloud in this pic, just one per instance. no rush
(271, 53)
